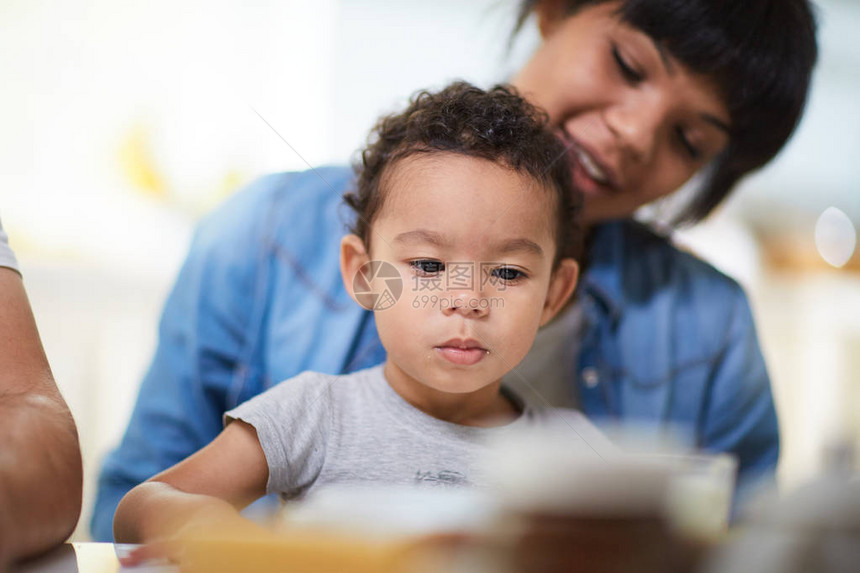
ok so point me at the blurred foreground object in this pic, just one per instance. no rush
(551, 509)
(815, 528)
(643, 507)
(297, 552)
(641, 471)
(353, 529)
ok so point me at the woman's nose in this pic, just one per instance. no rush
(636, 124)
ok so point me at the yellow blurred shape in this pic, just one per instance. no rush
(297, 551)
(138, 164)
(232, 180)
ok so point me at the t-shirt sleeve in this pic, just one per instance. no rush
(292, 420)
(7, 257)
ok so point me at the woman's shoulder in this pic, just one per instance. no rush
(277, 201)
(299, 217)
(667, 304)
(641, 263)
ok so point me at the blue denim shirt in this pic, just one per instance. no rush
(260, 299)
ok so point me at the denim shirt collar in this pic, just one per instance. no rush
(603, 277)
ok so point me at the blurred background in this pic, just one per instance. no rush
(123, 123)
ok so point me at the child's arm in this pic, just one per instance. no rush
(211, 485)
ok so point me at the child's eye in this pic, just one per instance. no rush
(508, 274)
(629, 73)
(427, 267)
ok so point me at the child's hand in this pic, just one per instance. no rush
(153, 553)
(211, 520)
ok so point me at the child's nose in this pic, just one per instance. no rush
(467, 303)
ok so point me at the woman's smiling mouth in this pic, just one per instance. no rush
(591, 175)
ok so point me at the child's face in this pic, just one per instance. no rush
(474, 244)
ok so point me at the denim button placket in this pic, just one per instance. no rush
(590, 377)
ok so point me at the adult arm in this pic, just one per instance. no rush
(740, 416)
(40, 458)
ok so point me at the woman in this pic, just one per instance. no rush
(646, 93)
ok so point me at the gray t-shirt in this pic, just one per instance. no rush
(318, 429)
(7, 257)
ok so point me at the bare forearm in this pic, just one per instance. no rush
(156, 510)
(40, 472)
(40, 459)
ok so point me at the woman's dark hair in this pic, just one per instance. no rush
(760, 52)
(497, 125)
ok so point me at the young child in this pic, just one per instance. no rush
(464, 244)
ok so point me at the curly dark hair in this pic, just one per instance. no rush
(497, 125)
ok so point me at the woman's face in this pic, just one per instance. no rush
(638, 124)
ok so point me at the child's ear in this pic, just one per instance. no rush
(561, 287)
(550, 13)
(353, 254)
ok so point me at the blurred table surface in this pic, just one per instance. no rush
(86, 558)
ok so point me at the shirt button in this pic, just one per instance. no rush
(590, 377)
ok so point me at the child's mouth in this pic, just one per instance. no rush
(462, 352)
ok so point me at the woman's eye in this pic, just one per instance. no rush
(630, 74)
(691, 149)
(427, 267)
(508, 274)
